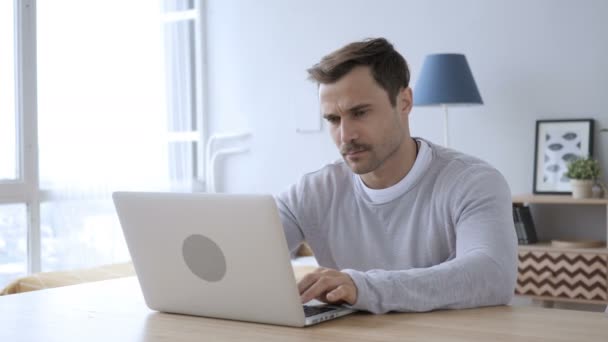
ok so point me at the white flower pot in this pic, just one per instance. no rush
(581, 188)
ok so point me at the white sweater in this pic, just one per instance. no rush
(446, 241)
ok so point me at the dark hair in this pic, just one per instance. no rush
(388, 67)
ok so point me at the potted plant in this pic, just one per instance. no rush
(582, 173)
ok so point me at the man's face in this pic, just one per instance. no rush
(364, 125)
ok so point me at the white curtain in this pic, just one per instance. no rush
(102, 121)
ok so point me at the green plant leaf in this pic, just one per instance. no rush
(583, 168)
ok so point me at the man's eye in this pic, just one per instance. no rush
(332, 120)
(359, 113)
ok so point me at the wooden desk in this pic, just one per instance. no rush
(114, 311)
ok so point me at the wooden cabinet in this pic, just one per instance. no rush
(552, 273)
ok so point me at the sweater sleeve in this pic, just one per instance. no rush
(287, 204)
(483, 271)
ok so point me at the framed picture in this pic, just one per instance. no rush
(557, 143)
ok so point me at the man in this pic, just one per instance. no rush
(401, 224)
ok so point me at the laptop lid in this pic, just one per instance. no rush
(214, 255)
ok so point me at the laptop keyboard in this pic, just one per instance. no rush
(315, 310)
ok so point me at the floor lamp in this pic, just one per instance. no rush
(446, 80)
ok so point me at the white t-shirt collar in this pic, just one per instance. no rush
(381, 196)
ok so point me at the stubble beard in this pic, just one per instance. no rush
(374, 161)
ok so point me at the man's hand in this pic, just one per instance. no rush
(329, 286)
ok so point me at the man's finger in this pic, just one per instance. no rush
(338, 294)
(321, 286)
(307, 281)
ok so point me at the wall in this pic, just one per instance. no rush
(531, 59)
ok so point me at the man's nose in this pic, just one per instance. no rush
(348, 131)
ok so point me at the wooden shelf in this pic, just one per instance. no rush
(578, 243)
(546, 246)
(561, 273)
(557, 199)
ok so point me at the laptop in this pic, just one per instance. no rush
(215, 255)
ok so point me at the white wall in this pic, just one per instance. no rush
(531, 59)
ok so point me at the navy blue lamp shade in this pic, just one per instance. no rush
(446, 79)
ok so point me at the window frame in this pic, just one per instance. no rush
(197, 135)
(27, 109)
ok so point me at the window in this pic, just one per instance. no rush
(111, 93)
(13, 242)
(183, 65)
(8, 123)
(15, 178)
(111, 99)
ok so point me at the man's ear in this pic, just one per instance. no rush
(405, 100)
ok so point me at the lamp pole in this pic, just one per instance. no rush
(446, 135)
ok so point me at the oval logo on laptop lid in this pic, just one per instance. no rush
(204, 258)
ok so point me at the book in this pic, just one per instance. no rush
(524, 217)
(519, 227)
